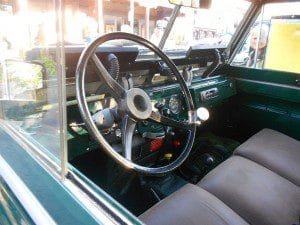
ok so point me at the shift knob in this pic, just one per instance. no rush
(202, 114)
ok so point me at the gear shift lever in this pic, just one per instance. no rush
(202, 114)
(198, 116)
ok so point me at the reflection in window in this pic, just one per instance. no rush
(28, 76)
(84, 20)
(23, 80)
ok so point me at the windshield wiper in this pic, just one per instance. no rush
(170, 24)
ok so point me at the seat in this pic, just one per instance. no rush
(191, 205)
(274, 151)
(254, 192)
(254, 186)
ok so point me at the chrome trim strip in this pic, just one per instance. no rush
(61, 79)
(32, 206)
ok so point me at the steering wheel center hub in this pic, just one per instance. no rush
(137, 104)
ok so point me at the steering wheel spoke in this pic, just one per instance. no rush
(157, 117)
(115, 89)
(128, 128)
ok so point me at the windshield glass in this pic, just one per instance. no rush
(204, 27)
(213, 27)
(85, 20)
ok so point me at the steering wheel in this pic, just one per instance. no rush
(134, 105)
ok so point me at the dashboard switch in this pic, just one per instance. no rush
(176, 143)
(166, 112)
(209, 94)
(156, 144)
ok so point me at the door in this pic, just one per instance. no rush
(267, 72)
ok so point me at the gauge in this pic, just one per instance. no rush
(174, 104)
(95, 106)
(98, 105)
(158, 79)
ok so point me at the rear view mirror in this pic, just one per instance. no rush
(203, 4)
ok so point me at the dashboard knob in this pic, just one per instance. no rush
(166, 112)
(202, 114)
(159, 105)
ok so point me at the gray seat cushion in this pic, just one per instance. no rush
(275, 151)
(257, 194)
(191, 205)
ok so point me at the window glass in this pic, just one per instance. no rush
(213, 27)
(85, 20)
(274, 39)
(28, 74)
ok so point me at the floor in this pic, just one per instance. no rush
(138, 193)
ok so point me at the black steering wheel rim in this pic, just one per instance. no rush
(87, 117)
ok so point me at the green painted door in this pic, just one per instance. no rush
(266, 99)
(267, 72)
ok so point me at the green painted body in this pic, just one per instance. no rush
(80, 143)
(61, 204)
(266, 99)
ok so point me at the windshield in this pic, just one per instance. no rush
(193, 27)
(85, 20)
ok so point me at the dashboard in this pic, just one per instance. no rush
(151, 141)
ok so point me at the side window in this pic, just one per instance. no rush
(29, 75)
(273, 41)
